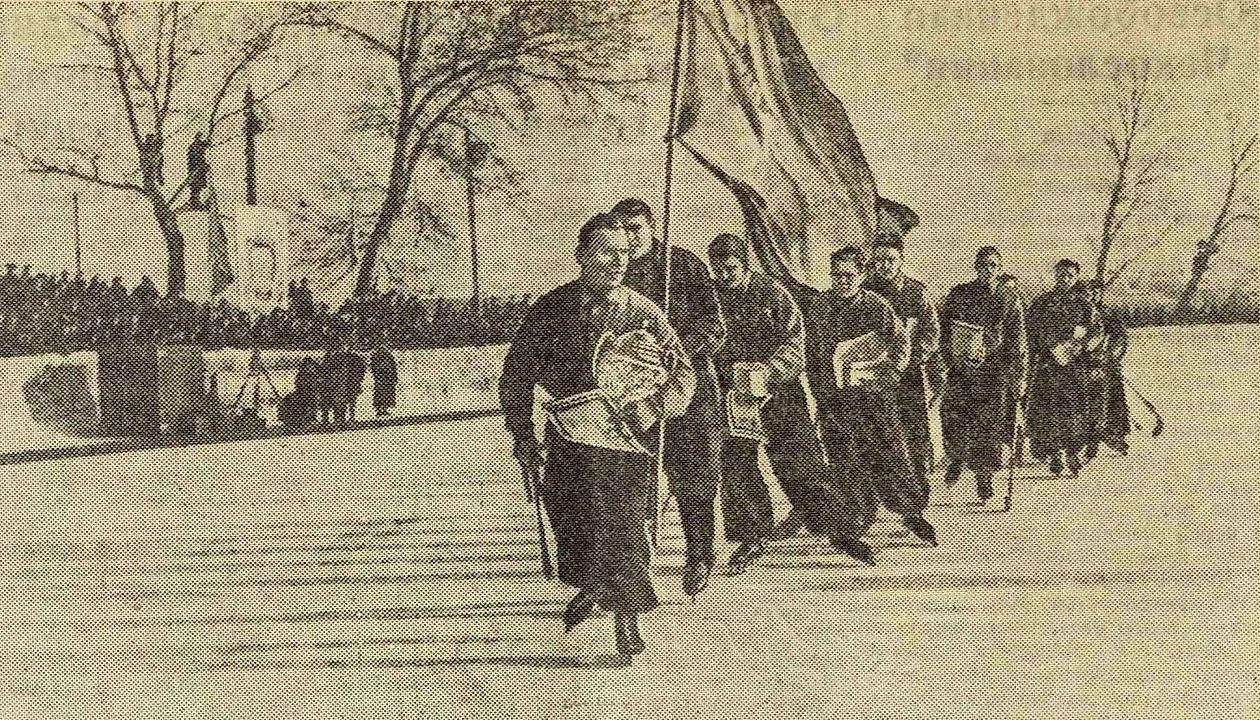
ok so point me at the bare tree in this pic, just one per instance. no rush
(1128, 139)
(344, 218)
(1237, 206)
(459, 66)
(152, 57)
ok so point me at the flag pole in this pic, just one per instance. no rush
(672, 126)
(666, 243)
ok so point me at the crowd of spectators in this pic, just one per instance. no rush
(42, 313)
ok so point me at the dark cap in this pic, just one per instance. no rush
(1068, 263)
(848, 256)
(727, 245)
(888, 240)
(632, 207)
(987, 252)
(603, 221)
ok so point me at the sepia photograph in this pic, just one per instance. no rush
(630, 360)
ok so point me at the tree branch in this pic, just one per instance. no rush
(328, 23)
(120, 74)
(39, 166)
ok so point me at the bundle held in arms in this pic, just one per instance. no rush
(630, 371)
(966, 342)
(745, 400)
(857, 362)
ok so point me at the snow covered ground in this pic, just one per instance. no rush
(393, 573)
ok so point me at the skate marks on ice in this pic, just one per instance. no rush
(406, 567)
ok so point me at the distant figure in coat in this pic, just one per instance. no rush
(384, 381)
(198, 171)
(308, 390)
(356, 372)
(336, 381)
(1107, 365)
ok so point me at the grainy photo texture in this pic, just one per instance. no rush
(635, 360)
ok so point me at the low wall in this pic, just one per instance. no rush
(429, 382)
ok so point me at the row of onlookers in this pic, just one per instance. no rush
(42, 313)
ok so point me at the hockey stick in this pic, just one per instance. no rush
(531, 492)
(1159, 419)
(531, 484)
(1010, 472)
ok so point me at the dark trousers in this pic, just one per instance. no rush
(827, 508)
(977, 415)
(796, 457)
(693, 465)
(746, 506)
(861, 430)
(599, 502)
(1117, 425)
(913, 411)
(1057, 409)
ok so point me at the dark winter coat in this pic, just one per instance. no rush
(1058, 399)
(384, 379)
(598, 499)
(978, 409)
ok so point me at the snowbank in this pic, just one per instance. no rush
(429, 382)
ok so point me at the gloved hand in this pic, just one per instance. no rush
(529, 454)
(640, 415)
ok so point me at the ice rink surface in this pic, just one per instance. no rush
(393, 573)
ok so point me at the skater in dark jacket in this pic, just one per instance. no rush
(858, 413)
(909, 299)
(1058, 407)
(693, 442)
(985, 348)
(764, 356)
(599, 496)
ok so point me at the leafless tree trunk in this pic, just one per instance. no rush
(458, 63)
(1127, 141)
(1236, 206)
(145, 50)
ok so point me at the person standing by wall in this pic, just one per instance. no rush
(384, 380)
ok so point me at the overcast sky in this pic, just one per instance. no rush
(979, 116)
